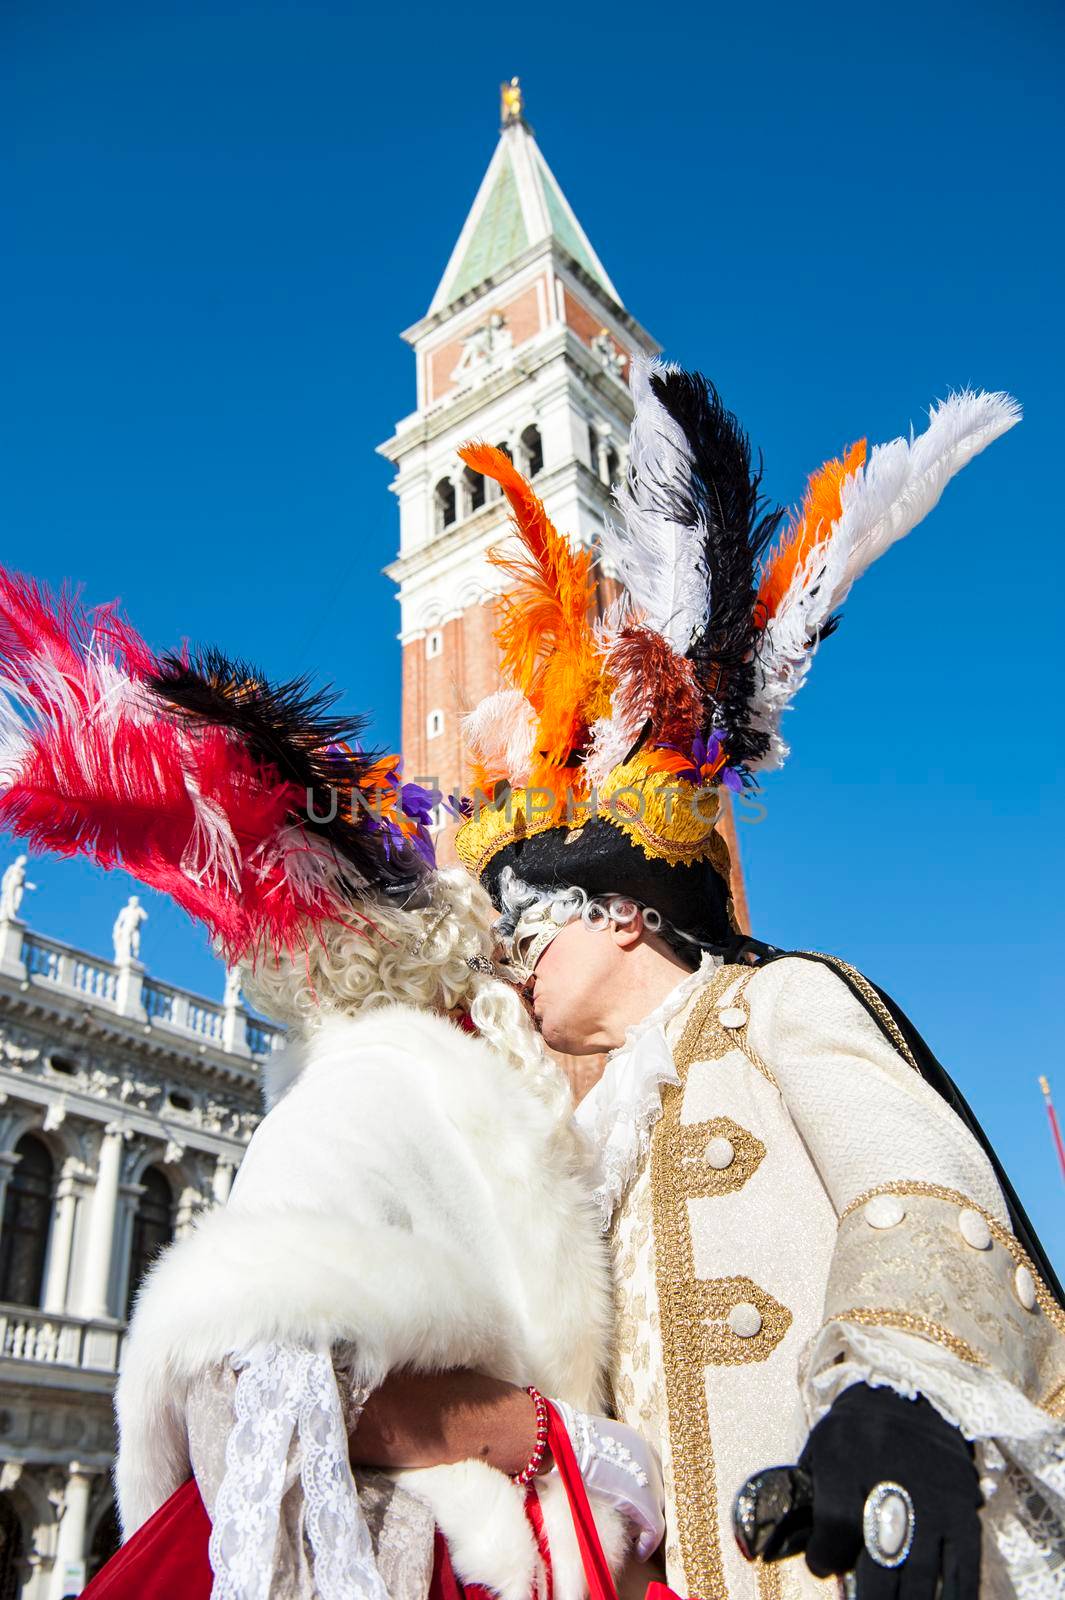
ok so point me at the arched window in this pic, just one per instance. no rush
(444, 499)
(613, 466)
(105, 1541)
(27, 1218)
(492, 491)
(434, 724)
(11, 1551)
(532, 452)
(434, 643)
(593, 449)
(153, 1228)
(473, 490)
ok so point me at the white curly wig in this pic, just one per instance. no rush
(418, 958)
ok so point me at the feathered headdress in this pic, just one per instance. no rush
(251, 804)
(640, 719)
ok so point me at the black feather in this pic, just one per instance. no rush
(724, 496)
(292, 729)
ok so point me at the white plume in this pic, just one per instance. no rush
(660, 562)
(880, 503)
(501, 732)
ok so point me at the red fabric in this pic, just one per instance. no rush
(534, 1511)
(166, 1559)
(596, 1570)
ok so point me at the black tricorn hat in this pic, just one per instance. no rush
(602, 859)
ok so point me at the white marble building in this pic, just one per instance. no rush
(125, 1107)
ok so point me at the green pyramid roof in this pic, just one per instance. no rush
(518, 204)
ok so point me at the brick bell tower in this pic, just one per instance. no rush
(526, 344)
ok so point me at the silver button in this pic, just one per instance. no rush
(719, 1153)
(884, 1211)
(974, 1229)
(1024, 1288)
(745, 1320)
(732, 1017)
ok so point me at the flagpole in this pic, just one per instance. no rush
(1054, 1128)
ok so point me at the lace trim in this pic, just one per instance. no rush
(974, 1399)
(588, 1442)
(618, 1116)
(287, 1391)
(1020, 1450)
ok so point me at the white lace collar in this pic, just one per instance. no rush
(618, 1114)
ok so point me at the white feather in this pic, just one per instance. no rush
(880, 503)
(660, 562)
(14, 744)
(501, 732)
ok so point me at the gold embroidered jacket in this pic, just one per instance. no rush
(812, 1213)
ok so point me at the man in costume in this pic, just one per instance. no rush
(415, 1201)
(816, 1253)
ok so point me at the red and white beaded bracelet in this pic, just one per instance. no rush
(536, 1460)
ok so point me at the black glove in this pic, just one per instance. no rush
(870, 1436)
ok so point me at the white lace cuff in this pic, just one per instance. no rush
(981, 1403)
(286, 1393)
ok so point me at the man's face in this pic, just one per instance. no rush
(572, 988)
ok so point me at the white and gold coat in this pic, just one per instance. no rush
(792, 1208)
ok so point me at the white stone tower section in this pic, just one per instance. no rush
(526, 344)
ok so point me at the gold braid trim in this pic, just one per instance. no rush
(857, 981)
(769, 1584)
(693, 1312)
(937, 1191)
(1055, 1401)
(907, 1322)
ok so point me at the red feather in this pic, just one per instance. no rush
(653, 681)
(104, 769)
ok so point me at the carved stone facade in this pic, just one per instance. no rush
(125, 1108)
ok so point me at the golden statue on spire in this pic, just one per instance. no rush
(511, 102)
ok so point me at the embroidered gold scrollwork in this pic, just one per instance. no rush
(696, 1332)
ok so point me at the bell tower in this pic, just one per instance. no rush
(526, 344)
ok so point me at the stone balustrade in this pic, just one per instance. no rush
(163, 1005)
(42, 1338)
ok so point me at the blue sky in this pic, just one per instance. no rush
(223, 216)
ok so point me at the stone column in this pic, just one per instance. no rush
(8, 1162)
(11, 962)
(102, 1225)
(235, 1031)
(602, 463)
(129, 991)
(68, 1574)
(221, 1182)
(57, 1277)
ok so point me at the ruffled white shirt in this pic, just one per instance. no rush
(618, 1115)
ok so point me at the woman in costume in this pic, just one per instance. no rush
(414, 1200)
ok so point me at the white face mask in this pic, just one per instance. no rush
(532, 917)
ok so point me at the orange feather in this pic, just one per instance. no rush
(546, 639)
(821, 508)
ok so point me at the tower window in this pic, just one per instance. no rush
(473, 490)
(444, 499)
(532, 452)
(593, 449)
(434, 724)
(434, 643)
(613, 466)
